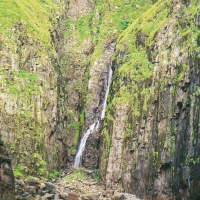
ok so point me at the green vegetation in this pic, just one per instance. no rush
(76, 175)
(155, 158)
(22, 171)
(188, 27)
(34, 15)
(106, 22)
(23, 84)
(26, 48)
(81, 174)
(19, 171)
(134, 24)
(136, 69)
(76, 126)
(53, 174)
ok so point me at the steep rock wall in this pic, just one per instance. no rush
(74, 53)
(154, 152)
(28, 97)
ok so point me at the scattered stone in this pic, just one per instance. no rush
(42, 186)
(48, 197)
(25, 194)
(41, 192)
(49, 187)
(38, 197)
(72, 196)
(33, 181)
(90, 196)
(64, 196)
(30, 197)
(30, 189)
(118, 196)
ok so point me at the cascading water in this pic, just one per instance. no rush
(82, 145)
(110, 73)
(94, 126)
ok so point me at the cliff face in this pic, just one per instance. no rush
(54, 63)
(150, 143)
(28, 97)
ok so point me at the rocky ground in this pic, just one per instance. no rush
(78, 184)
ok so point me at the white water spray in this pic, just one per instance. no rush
(77, 161)
(94, 126)
(110, 73)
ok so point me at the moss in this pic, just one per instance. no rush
(76, 126)
(22, 83)
(155, 158)
(188, 28)
(135, 67)
(82, 118)
(40, 164)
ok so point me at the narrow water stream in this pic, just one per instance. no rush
(94, 127)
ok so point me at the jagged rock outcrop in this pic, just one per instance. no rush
(6, 175)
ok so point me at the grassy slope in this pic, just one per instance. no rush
(35, 14)
(107, 21)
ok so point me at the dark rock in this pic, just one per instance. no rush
(7, 188)
(30, 189)
(48, 196)
(25, 194)
(48, 188)
(41, 192)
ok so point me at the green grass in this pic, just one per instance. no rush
(53, 174)
(23, 84)
(135, 65)
(76, 175)
(18, 171)
(36, 16)
(107, 21)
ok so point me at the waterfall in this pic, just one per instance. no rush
(94, 126)
(110, 73)
(77, 161)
